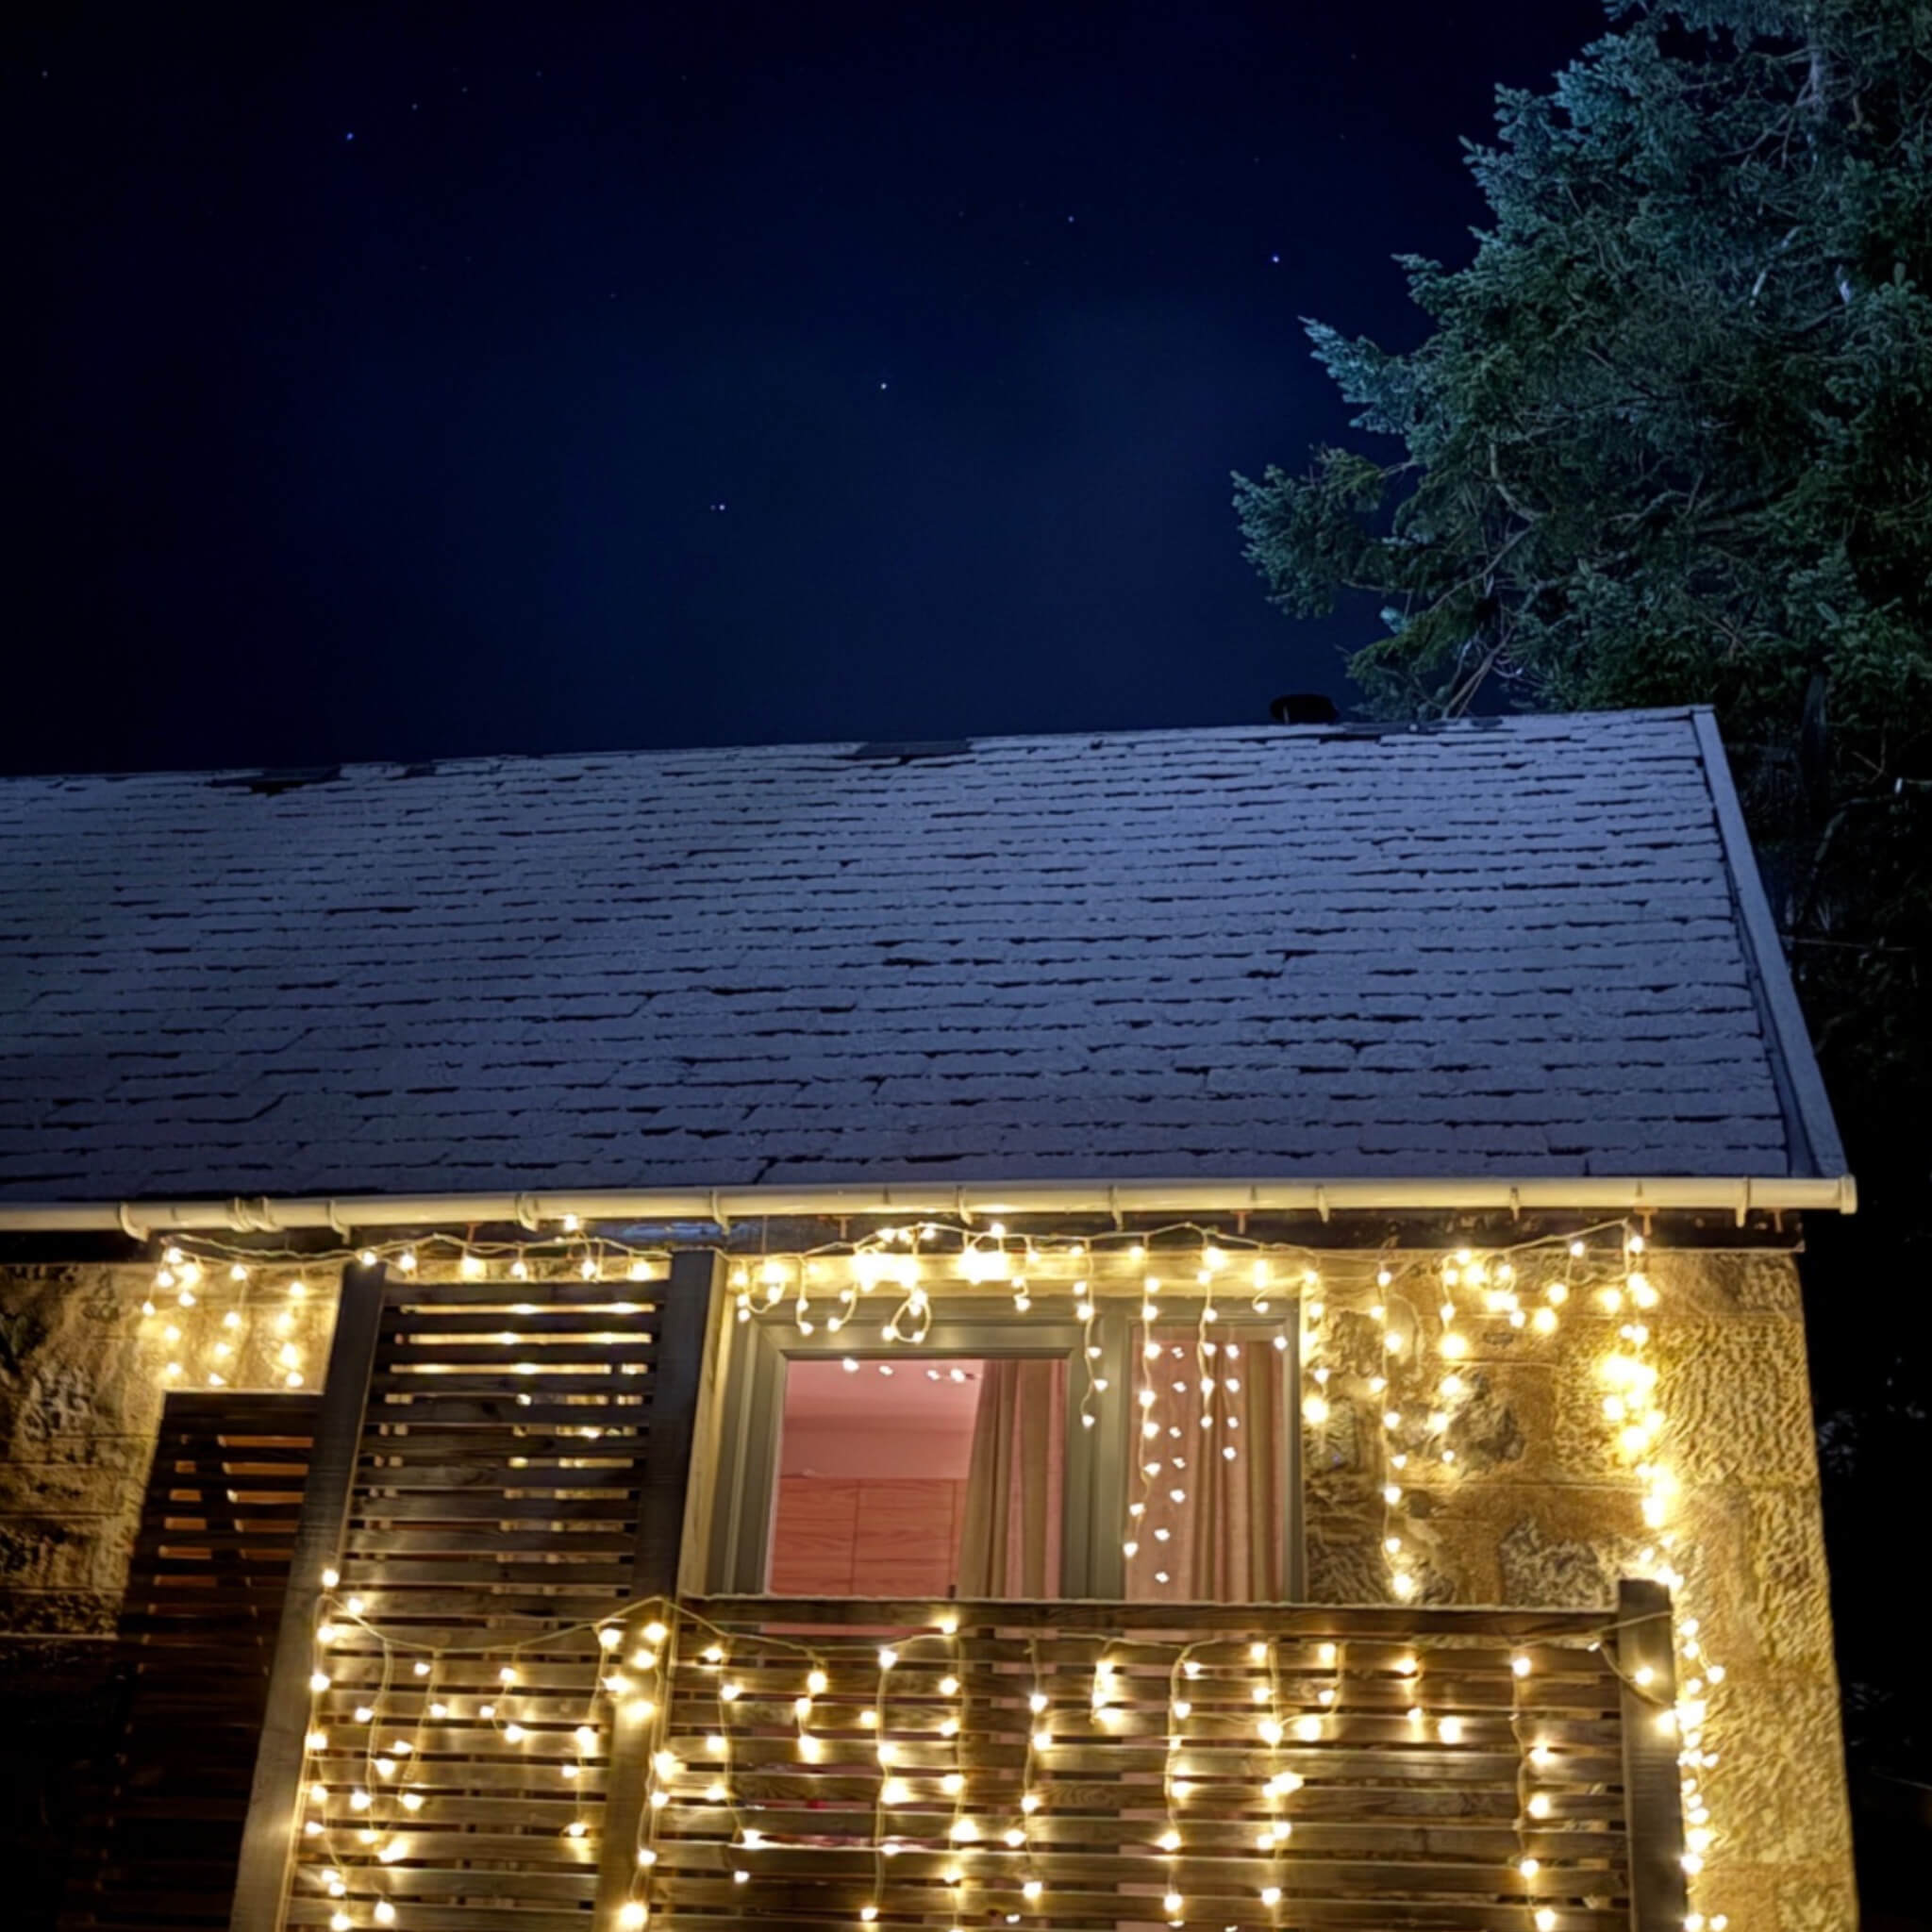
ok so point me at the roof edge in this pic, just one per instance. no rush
(1611, 1194)
(459, 761)
(1794, 1065)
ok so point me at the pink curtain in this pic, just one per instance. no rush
(1010, 1543)
(1225, 1536)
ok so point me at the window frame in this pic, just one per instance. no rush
(1098, 1461)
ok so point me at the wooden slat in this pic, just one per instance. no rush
(1228, 1625)
(427, 1299)
(410, 1325)
(203, 1609)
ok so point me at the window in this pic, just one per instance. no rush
(1009, 1456)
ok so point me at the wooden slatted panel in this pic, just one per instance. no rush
(494, 1515)
(1404, 1821)
(198, 1633)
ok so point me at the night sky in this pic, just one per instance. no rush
(398, 381)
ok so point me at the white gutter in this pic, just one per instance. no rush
(973, 1200)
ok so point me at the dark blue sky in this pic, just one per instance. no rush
(409, 443)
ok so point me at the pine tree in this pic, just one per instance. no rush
(1668, 440)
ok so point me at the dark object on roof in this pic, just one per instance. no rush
(273, 784)
(899, 752)
(1524, 950)
(1304, 707)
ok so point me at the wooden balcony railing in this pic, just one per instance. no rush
(1092, 1765)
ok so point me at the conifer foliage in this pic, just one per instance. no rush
(1668, 439)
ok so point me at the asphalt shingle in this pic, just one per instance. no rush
(1257, 953)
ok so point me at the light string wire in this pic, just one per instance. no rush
(1184, 1670)
(1639, 1426)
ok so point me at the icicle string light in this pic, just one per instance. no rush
(220, 1315)
(659, 1674)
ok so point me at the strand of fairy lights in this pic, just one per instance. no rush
(1195, 1665)
(208, 1314)
(192, 1282)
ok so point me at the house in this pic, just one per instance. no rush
(1189, 1328)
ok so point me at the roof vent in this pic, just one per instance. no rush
(1304, 708)
(887, 752)
(273, 784)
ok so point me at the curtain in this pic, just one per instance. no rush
(1009, 1543)
(1226, 1538)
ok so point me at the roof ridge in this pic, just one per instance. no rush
(1346, 729)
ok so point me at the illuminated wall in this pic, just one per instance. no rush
(1520, 1434)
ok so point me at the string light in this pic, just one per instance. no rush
(931, 1667)
(1439, 1321)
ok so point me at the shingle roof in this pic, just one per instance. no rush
(1508, 946)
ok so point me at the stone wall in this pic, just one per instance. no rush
(83, 1373)
(1538, 1507)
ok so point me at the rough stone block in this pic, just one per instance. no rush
(1739, 1400)
(1790, 1585)
(58, 1612)
(1776, 1792)
(1824, 1902)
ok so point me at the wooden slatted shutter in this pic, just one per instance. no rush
(517, 1474)
(197, 1635)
